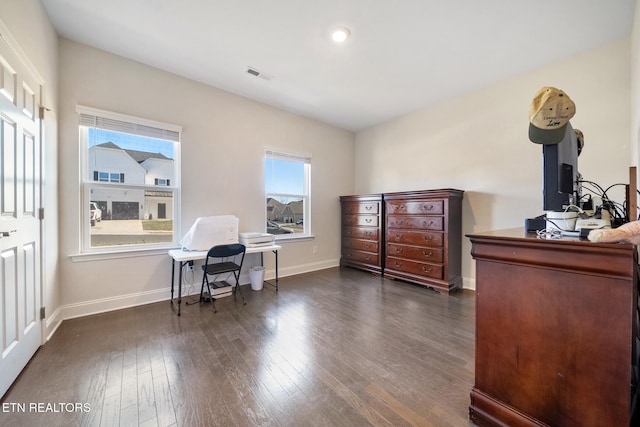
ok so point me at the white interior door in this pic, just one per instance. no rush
(20, 241)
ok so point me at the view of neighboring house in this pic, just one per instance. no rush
(112, 164)
(291, 212)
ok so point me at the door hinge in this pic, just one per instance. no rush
(42, 111)
(41, 213)
(42, 313)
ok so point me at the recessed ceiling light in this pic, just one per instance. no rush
(339, 35)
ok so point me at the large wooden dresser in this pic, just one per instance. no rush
(361, 232)
(414, 236)
(556, 331)
(423, 238)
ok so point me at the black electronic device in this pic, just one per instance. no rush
(560, 173)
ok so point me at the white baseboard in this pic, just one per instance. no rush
(87, 308)
(304, 268)
(102, 305)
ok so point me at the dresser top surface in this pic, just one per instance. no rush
(521, 235)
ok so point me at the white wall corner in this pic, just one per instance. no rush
(469, 283)
(52, 323)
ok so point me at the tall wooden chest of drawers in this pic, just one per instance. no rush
(423, 238)
(361, 232)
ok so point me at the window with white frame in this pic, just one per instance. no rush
(130, 182)
(288, 195)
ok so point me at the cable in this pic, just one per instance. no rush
(190, 282)
(618, 211)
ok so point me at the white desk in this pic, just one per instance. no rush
(183, 257)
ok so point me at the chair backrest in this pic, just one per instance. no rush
(228, 250)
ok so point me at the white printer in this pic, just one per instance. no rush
(256, 239)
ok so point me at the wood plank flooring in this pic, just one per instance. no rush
(338, 347)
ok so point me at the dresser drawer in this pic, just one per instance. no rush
(361, 208)
(361, 220)
(415, 207)
(416, 222)
(360, 256)
(411, 237)
(369, 233)
(424, 254)
(363, 245)
(433, 271)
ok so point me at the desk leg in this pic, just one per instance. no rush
(276, 253)
(173, 273)
(180, 287)
(262, 264)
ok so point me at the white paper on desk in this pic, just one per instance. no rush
(209, 231)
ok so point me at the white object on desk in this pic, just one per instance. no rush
(209, 231)
(256, 239)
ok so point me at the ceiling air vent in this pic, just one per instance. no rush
(257, 73)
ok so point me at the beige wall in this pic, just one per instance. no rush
(479, 142)
(223, 142)
(29, 26)
(635, 89)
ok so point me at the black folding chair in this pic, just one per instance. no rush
(222, 259)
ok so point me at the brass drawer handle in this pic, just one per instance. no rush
(368, 220)
(368, 207)
(427, 270)
(428, 238)
(399, 250)
(428, 255)
(427, 207)
(397, 264)
(427, 224)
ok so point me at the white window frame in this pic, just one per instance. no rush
(93, 117)
(306, 196)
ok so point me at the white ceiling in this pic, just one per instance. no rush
(402, 55)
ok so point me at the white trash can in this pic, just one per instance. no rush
(256, 274)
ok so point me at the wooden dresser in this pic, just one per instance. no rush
(556, 328)
(361, 232)
(423, 238)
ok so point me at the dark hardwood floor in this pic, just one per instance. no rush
(338, 347)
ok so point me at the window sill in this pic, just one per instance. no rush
(293, 238)
(100, 256)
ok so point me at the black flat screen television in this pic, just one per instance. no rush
(560, 173)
